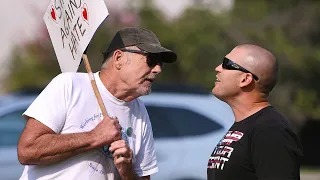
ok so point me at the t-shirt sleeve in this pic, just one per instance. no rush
(276, 154)
(146, 161)
(50, 107)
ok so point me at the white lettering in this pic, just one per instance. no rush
(228, 150)
(224, 161)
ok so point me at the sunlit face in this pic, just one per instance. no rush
(139, 72)
(227, 81)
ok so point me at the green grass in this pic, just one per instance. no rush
(306, 169)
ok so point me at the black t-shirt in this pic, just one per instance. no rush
(262, 146)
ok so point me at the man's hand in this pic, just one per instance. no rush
(122, 155)
(106, 132)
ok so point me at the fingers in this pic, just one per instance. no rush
(120, 148)
(117, 145)
(116, 123)
(117, 137)
(116, 126)
(122, 152)
(122, 155)
(122, 160)
(106, 132)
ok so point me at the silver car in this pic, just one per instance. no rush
(186, 128)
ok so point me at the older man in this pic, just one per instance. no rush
(66, 136)
(261, 143)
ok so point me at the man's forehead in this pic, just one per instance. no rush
(237, 55)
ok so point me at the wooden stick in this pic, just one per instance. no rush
(94, 85)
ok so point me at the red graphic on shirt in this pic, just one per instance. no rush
(223, 151)
(230, 137)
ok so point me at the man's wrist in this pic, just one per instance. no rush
(131, 175)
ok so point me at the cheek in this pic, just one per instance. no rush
(232, 82)
(229, 83)
(133, 74)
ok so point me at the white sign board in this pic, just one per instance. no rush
(71, 25)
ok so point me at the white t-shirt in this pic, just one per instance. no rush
(68, 105)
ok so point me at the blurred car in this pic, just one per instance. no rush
(187, 124)
(11, 126)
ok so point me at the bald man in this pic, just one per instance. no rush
(261, 143)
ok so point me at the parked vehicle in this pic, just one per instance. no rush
(186, 127)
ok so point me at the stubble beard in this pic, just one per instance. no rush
(144, 89)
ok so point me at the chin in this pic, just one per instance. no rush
(218, 95)
(214, 92)
(144, 90)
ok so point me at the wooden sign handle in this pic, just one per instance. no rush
(94, 85)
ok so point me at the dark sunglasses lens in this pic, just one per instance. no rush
(225, 63)
(153, 60)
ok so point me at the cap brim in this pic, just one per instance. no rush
(167, 55)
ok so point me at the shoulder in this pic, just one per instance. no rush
(271, 118)
(71, 79)
(73, 76)
(66, 84)
(270, 124)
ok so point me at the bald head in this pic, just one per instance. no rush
(262, 63)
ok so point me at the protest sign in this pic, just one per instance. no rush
(71, 25)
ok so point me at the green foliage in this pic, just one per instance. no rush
(288, 28)
(33, 65)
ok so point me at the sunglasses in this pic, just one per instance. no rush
(228, 64)
(152, 59)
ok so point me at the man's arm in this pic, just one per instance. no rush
(40, 145)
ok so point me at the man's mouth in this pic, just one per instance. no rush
(150, 80)
(217, 79)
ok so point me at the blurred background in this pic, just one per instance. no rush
(202, 32)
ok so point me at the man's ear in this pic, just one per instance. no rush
(117, 58)
(246, 80)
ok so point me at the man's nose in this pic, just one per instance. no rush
(156, 69)
(219, 68)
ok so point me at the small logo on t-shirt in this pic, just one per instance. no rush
(94, 117)
(223, 150)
